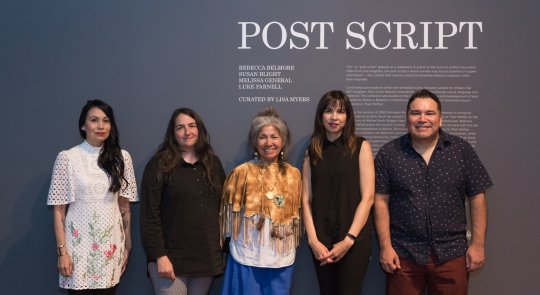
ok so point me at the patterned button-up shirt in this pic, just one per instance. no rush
(427, 202)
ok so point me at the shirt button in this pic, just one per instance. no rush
(194, 168)
(197, 179)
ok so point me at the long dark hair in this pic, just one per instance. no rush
(329, 100)
(110, 159)
(170, 155)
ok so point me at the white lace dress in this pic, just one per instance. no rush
(94, 231)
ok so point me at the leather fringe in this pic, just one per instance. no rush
(283, 237)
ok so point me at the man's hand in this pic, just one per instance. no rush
(389, 260)
(475, 257)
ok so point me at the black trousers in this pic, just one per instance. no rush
(347, 275)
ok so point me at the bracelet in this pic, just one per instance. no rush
(60, 251)
(351, 236)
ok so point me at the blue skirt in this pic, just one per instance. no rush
(241, 279)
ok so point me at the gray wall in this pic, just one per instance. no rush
(148, 57)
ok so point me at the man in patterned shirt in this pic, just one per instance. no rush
(422, 179)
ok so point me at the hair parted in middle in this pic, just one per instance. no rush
(333, 98)
(270, 117)
(170, 153)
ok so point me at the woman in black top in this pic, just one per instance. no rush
(181, 193)
(338, 184)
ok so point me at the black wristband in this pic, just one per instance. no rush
(351, 236)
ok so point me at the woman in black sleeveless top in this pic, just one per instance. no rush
(338, 190)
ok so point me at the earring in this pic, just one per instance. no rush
(256, 156)
(281, 157)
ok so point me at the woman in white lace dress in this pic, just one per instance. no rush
(91, 187)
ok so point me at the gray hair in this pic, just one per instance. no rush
(269, 117)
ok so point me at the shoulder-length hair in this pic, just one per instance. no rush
(334, 98)
(170, 154)
(110, 159)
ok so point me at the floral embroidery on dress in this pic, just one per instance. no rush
(109, 253)
(75, 234)
(122, 238)
(64, 281)
(99, 259)
(93, 227)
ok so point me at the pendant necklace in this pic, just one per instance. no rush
(269, 194)
(277, 199)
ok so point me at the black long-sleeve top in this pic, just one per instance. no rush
(180, 218)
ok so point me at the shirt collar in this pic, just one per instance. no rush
(338, 141)
(444, 139)
(186, 164)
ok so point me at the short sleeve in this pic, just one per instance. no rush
(478, 179)
(129, 191)
(62, 189)
(382, 175)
